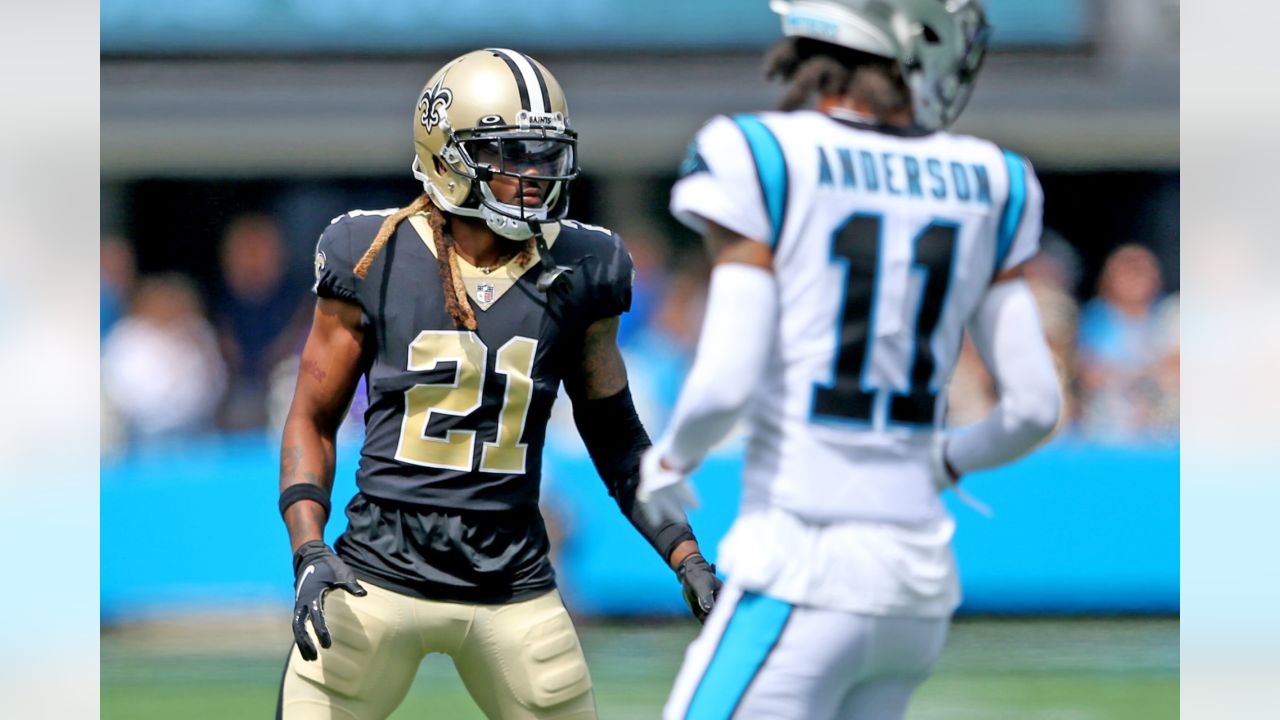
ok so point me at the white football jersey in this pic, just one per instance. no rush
(884, 244)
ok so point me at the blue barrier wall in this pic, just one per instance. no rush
(1077, 529)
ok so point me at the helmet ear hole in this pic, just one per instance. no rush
(930, 35)
(440, 168)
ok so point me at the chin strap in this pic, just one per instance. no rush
(551, 272)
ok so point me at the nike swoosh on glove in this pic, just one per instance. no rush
(317, 570)
(663, 494)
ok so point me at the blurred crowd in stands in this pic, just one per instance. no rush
(1117, 354)
(180, 359)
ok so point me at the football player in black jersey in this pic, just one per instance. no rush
(464, 312)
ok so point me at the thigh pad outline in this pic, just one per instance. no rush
(540, 655)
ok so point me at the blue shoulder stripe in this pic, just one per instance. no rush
(771, 170)
(1014, 207)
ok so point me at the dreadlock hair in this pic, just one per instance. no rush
(455, 295)
(812, 65)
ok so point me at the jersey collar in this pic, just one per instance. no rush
(484, 288)
(865, 122)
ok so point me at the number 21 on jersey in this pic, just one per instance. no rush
(463, 396)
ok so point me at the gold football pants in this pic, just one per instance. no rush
(519, 661)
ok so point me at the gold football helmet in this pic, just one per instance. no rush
(495, 112)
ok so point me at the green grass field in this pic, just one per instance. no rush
(1039, 669)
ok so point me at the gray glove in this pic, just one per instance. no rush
(699, 583)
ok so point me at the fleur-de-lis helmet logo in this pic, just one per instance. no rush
(433, 104)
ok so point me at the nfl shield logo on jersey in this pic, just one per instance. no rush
(484, 293)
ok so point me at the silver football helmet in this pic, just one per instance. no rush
(939, 44)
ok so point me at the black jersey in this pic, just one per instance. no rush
(457, 419)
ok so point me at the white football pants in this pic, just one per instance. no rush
(758, 657)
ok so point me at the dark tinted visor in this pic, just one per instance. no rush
(546, 158)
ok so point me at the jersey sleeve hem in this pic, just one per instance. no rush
(1021, 221)
(698, 198)
(334, 266)
(612, 281)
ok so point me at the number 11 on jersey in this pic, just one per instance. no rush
(850, 397)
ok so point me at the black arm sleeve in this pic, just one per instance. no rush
(615, 438)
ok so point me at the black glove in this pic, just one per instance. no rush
(316, 571)
(700, 585)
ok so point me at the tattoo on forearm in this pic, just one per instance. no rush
(289, 459)
(312, 368)
(305, 520)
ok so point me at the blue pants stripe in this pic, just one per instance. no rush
(752, 633)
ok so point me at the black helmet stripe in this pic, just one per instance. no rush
(526, 74)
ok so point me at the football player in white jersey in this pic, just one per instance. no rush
(853, 245)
